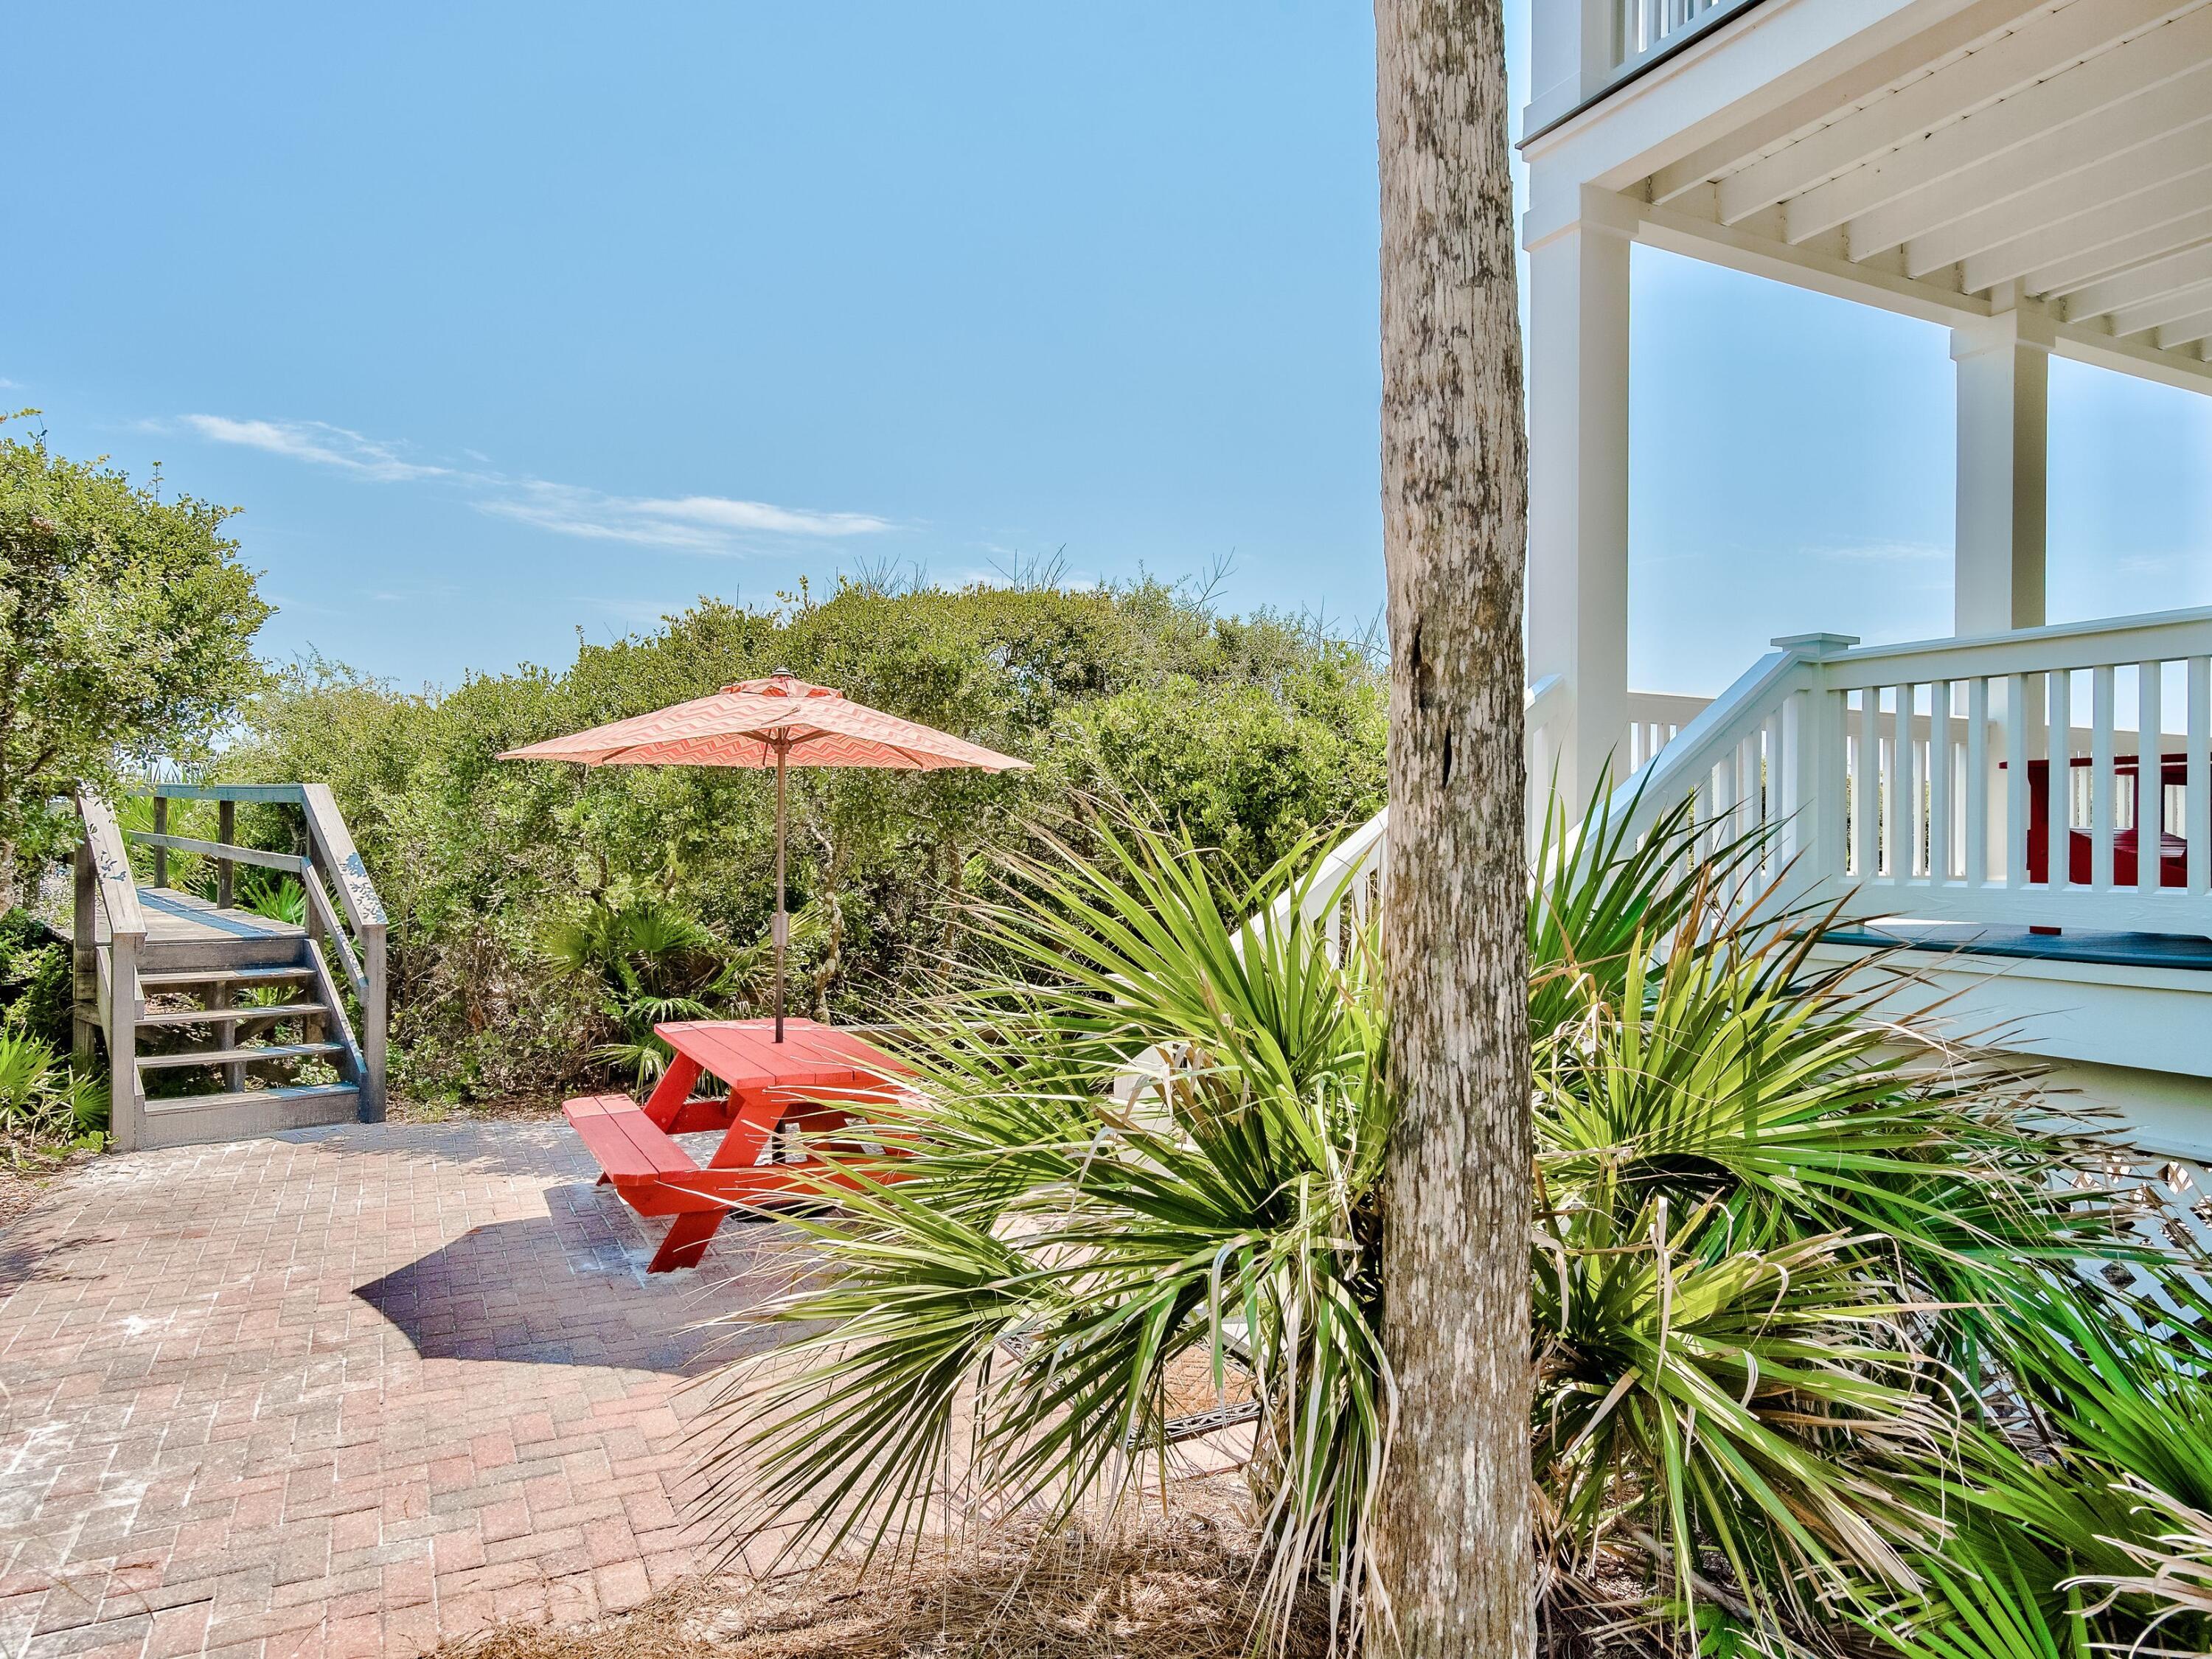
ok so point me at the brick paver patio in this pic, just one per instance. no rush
(344, 1391)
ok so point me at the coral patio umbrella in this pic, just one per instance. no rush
(780, 721)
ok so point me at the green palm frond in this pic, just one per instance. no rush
(1987, 1603)
(1058, 1246)
(1785, 1258)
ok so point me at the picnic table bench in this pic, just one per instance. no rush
(818, 1079)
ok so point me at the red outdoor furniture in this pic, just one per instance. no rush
(818, 1079)
(2172, 850)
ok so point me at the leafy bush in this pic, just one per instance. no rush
(45, 1104)
(271, 895)
(1820, 1362)
(35, 988)
(126, 636)
(1255, 732)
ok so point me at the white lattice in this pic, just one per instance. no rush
(2172, 1211)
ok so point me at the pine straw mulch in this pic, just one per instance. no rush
(1180, 1586)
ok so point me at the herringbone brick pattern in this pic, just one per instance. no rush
(345, 1391)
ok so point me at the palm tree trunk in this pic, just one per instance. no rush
(1455, 1529)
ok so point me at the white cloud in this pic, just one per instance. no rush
(314, 440)
(568, 511)
(759, 515)
(696, 524)
(691, 523)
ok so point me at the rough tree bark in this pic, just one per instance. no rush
(1454, 1537)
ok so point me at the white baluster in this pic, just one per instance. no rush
(1770, 810)
(1978, 781)
(2059, 783)
(1747, 783)
(1939, 783)
(2100, 780)
(1904, 819)
(2199, 805)
(2015, 862)
(1720, 793)
(1820, 793)
(2150, 794)
(1866, 796)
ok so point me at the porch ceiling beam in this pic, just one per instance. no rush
(2058, 259)
(1741, 248)
(2144, 283)
(1806, 113)
(2186, 331)
(2051, 121)
(1906, 201)
(2131, 174)
(2089, 342)
(2041, 46)
(2166, 309)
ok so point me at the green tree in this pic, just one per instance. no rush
(126, 635)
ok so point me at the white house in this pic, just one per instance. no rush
(2035, 175)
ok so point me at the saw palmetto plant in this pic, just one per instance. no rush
(1806, 1282)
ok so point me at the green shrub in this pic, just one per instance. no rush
(1255, 733)
(35, 989)
(46, 1105)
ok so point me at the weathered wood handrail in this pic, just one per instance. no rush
(222, 851)
(104, 887)
(337, 855)
(110, 867)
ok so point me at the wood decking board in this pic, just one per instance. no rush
(175, 918)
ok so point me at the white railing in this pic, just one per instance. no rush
(1645, 28)
(1918, 780)
(1350, 877)
(1656, 719)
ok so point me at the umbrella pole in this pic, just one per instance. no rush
(782, 925)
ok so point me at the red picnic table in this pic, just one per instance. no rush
(817, 1079)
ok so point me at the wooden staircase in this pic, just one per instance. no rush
(219, 1023)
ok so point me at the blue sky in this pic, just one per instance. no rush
(501, 322)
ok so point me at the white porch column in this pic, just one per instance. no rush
(1579, 493)
(2004, 371)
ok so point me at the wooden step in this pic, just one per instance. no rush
(209, 1016)
(228, 1056)
(200, 958)
(303, 1093)
(205, 1120)
(194, 977)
